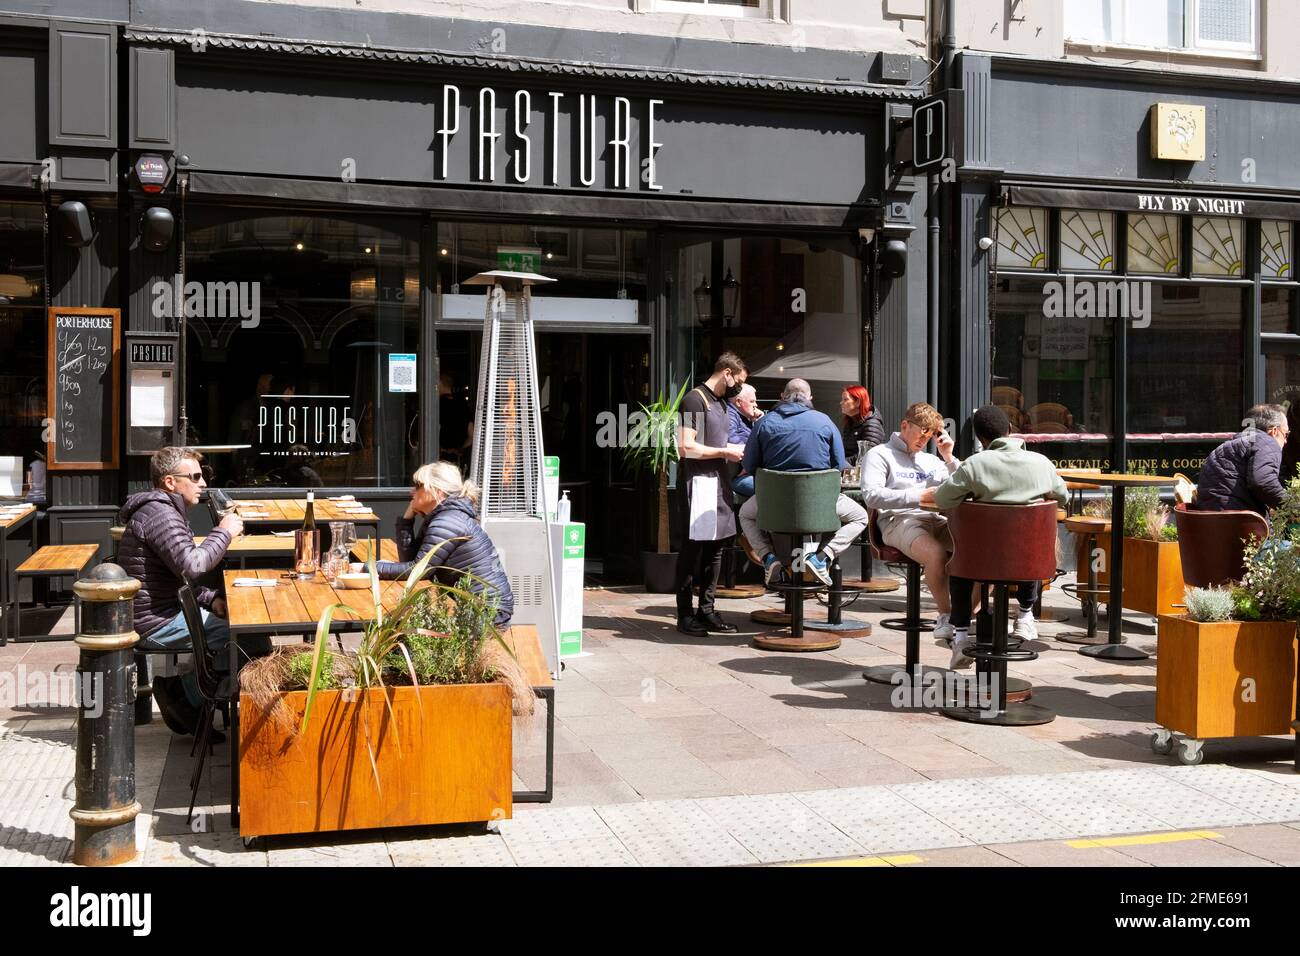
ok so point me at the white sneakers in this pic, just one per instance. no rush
(943, 630)
(959, 660)
(1026, 629)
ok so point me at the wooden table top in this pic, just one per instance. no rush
(9, 520)
(256, 544)
(59, 558)
(291, 510)
(1116, 479)
(299, 604)
(524, 643)
(387, 550)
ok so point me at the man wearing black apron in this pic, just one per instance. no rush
(710, 522)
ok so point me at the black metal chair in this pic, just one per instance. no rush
(210, 690)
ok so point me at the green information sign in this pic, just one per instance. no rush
(519, 258)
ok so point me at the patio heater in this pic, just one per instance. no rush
(506, 460)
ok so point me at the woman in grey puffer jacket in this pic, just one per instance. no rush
(451, 504)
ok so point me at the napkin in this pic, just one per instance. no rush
(255, 582)
(283, 534)
(343, 498)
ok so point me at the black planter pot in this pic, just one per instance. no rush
(660, 571)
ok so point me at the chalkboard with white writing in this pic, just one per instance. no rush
(83, 388)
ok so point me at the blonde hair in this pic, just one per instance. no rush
(923, 416)
(445, 477)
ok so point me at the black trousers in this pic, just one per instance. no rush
(699, 562)
(962, 591)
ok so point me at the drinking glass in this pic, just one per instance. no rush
(221, 502)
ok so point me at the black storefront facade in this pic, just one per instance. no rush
(328, 199)
(1135, 291)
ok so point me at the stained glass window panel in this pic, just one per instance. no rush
(1275, 249)
(1153, 246)
(1217, 247)
(1087, 241)
(1022, 238)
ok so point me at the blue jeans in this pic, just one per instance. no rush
(175, 636)
(744, 485)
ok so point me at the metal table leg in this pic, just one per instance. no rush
(232, 649)
(1115, 649)
(545, 795)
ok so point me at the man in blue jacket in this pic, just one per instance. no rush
(796, 437)
(1242, 474)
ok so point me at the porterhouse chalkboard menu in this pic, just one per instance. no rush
(83, 388)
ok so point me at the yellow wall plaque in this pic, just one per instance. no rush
(1178, 132)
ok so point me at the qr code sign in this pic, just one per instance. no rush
(403, 376)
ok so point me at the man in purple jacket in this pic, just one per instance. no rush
(158, 550)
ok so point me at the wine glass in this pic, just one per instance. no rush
(221, 502)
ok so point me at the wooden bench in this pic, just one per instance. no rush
(54, 561)
(524, 643)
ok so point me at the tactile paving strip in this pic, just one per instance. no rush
(558, 823)
(591, 851)
(1000, 824)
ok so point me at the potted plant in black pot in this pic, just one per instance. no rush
(652, 448)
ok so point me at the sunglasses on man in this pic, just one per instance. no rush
(194, 476)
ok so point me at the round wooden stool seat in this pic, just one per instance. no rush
(874, 585)
(740, 591)
(1086, 524)
(785, 641)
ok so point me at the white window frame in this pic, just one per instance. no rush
(1191, 22)
(764, 10)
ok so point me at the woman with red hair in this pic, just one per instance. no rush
(862, 422)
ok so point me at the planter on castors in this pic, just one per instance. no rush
(1153, 572)
(1001, 545)
(797, 508)
(441, 755)
(1223, 678)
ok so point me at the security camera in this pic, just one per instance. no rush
(985, 243)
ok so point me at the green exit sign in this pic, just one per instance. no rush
(518, 258)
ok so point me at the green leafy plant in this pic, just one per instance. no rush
(1144, 514)
(1210, 604)
(652, 447)
(1270, 588)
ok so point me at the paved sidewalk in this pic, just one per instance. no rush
(682, 751)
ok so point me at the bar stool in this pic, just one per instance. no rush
(912, 624)
(735, 554)
(1004, 545)
(797, 508)
(1089, 528)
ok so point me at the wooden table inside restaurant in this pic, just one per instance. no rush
(1115, 649)
(13, 517)
(293, 606)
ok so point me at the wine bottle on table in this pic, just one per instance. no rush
(306, 549)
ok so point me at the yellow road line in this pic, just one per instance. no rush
(1144, 839)
(900, 860)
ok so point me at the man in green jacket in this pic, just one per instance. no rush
(1003, 473)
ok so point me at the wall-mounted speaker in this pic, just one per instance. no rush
(76, 228)
(156, 228)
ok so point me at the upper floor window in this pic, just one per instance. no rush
(720, 8)
(1206, 26)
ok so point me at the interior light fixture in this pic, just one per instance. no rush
(298, 246)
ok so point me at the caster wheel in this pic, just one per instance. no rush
(1162, 742)
(1189, 754)
(253, 843)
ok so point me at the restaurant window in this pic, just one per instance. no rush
(1052, 373)
(1153, 245)
(1217, 247)
(1022, 238)
(316, 372)
(790, 308)
(1186, 392)
(717, 8)
(22, 344)
(1275, 249)
(1217, 26)
(1279, 309)
(1087, 241)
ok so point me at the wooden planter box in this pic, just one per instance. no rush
(1153, 573)
(1206, 675)
(446, 758)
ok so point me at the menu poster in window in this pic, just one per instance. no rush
(1064, 339)
(83, 376)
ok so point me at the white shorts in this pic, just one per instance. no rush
(902, 534)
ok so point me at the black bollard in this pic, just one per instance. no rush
(106, 806)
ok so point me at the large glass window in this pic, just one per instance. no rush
(1222, 26)
(22, 344)
(790, 308)
(320, 383)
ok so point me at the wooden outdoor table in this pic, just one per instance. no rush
(255, 546)
(288, 513)
(21, 516)
(292, 607)
(1115, 649)
(54, 561)
(387, 550)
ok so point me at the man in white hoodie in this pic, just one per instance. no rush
(894, 475)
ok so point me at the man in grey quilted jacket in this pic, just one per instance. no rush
(158, 550)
